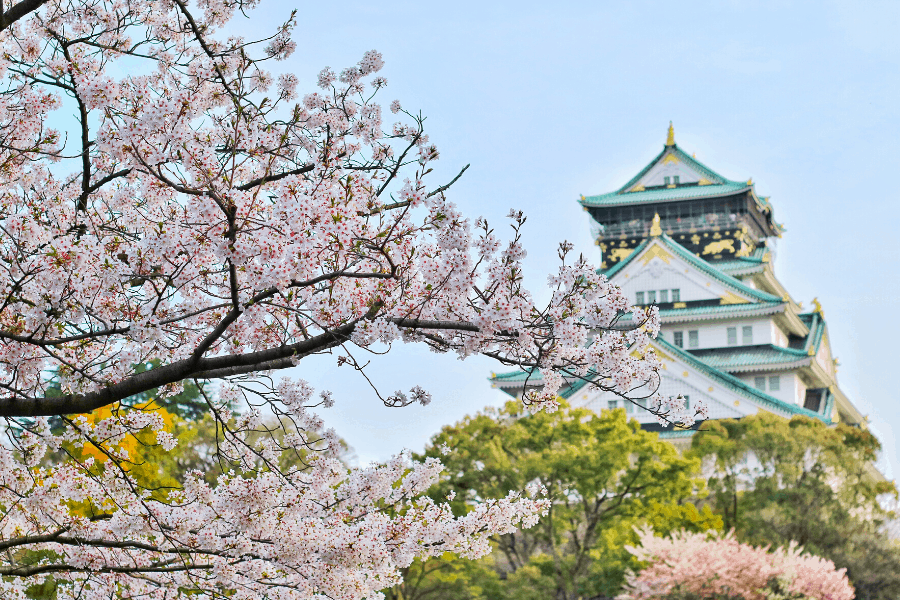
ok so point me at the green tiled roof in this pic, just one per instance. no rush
(683, 157)
(722, 377)
(688, 192)
(816, 324)
(699, 264)
(743, 358)
(722, 310)
(743, 264)
(718, 185)
(739, 386)
(516, 376)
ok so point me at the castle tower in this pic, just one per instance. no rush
(710, 215)
(698, 246)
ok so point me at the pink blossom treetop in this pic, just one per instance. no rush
(699, 565)
(199, 214)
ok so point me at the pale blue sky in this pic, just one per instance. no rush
(549, 102)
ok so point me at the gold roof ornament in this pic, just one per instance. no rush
(655, 229)
(750, 181)
(818, 306)
(670, 138)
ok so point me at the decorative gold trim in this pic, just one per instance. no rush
(750, 181)
(662, 354)
(670, 137)
(655, 229)
(729, 298)
(617, 254)
(671, 158)
(656, 251)
(679, 305)
(704, 181)
(719, 247)
(637, 188)
(818, 306)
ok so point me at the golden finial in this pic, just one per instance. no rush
(670, 139)
(655, 229)
(750, 181)
(818, 307)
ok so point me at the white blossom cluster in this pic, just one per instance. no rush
(199, 217)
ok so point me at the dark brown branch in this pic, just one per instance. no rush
(19, 10)
(252, 184)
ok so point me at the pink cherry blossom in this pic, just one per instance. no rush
(194, 217)
(718, 564)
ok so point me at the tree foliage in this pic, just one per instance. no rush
(602, 474)
(779, 481)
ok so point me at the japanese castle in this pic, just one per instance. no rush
(700, 247)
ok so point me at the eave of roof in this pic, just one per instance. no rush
(737, 385)
(688, 192)
(753, 358)
(722, 377)
(721, 311)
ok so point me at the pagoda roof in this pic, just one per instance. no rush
(744, 265)
(699, 181)
(699, 264)
(720, 311)
(653, 184)
(737, 385)
(753, 358)
(689, 192)
(723, 378)
(816, 323)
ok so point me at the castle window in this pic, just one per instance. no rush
(639, 298)
(668, 180)
(693, 339)
(774, 383)
(679, 338)
(747, 335)
(813, 400)
(732, 336)
(651, 297)
(759, 383)
(676, 179)
(687, 402)
(612, 404)
(676, 295)
(663, 295)
(629, 406)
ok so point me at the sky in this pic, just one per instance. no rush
(548, 102)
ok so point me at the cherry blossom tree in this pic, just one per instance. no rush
(197, 215)
(694, 565)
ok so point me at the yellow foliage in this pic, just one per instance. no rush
(130, 444)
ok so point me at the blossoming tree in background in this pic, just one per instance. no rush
(696, 566)
(198, 216)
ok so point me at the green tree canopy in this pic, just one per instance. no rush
(603, 474)
(775, 480)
